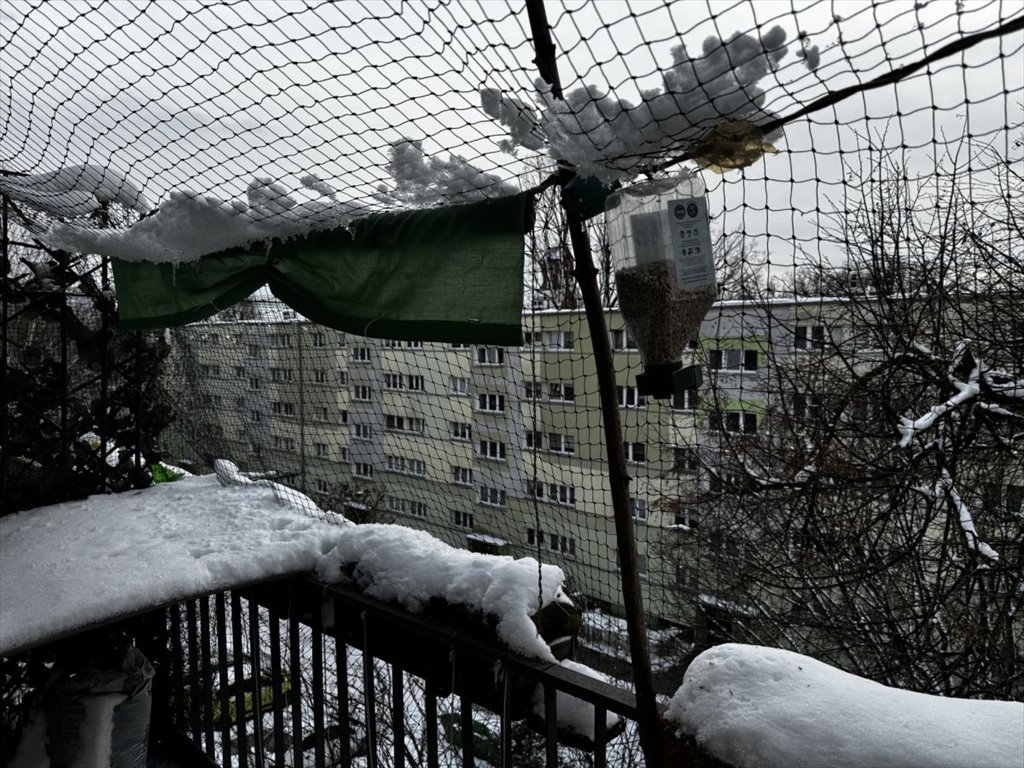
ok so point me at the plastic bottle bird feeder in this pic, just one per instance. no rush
(660, 244)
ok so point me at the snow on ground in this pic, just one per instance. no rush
(755, 706)
(83, 563)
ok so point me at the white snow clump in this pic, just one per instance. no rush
(613, 139)
(755, 706)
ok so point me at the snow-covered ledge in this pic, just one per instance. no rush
(754, 706)
(85, 563)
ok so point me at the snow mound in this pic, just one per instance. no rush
(755, 706)
(411, 568)
(575, 715)
(188, 226)
(81, 563)
(75, 191)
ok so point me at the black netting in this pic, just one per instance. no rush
(846, 481)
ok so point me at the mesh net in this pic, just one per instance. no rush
(847, 480)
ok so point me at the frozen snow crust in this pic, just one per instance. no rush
(755, 706)
(83, 563)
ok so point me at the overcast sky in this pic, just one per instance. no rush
(203, 96)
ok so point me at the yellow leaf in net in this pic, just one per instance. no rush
(731, 145)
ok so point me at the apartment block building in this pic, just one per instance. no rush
(501, 449)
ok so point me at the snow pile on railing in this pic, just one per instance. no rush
(411, 568)
(85, 563)
(764, 707)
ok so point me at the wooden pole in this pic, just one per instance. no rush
(651, 734)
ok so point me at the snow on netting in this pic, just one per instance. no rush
(846, 481)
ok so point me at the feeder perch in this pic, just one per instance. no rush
(660, 243)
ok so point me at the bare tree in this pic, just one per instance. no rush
(876, 519)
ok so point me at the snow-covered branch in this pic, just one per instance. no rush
(944, 488)
(965, 391)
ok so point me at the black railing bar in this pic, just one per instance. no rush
(398, 715)
(430, 704)
(506, 722)
(256, 655)
(466, 723)
(581, 686)
(317, 638)
(550, 726)
(177, 665)
(341, 673)
(277, 689)
(206, 658)
(369, 696)
(222, 679)
(600, 737)
(237, 653)
(195, 688)
(295, 664)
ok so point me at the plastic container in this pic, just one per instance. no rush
(660, 243)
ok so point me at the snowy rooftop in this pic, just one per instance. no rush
(85, 563)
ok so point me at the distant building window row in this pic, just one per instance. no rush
(563, 545)
(462, 475)
(491, 449)
(564, 495)
(732, 359)
(406, 507)
(635, 452)
(462, 519)
(490, 356)
(491, 403)
(808, 337)
(492, 497)
(461, 430)
(413, 424)
(732, 421)
(556, 442)
(398, 381)
(406, 466)
(282, 374)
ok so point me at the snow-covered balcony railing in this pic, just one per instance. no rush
(283, 639)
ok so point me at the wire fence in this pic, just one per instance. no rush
(847, 479)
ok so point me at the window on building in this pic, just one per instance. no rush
(558, 340)
(562, 391)
(239, 371)
(282, 374)
(532, 390)
(622, 341)
(362, 431)
(414, 345)
(462, 519)
(322, 449)
(491, 449)
(639, 509)
(535, 489)
(460, 346)
(809, 337)
(458, 385)
(491, 403)
(635, 452)
(362, 392)
(493, 497)
(413, 424)
(319, 339)
(393, 381)
(563, 545)
(283, 443)
(255, 416)
(320, 376)
(534, 440)
(733, 421)
(344, 417)
(462, 475)
(252, 350)
(362, 469)
(630, 397)
(392, 343)
(732, 359)
(254, 383)
(360, 354)
(564, 444)
(490, 356)
(807, 406)
(461, 430)
(414, 383)
(686, 400)
(687, 517)
(686, 577)
(534, 537)
(322, 485)
(283, 408)
(564, 495)
(406, 466)
(321, 413)
(685, 460)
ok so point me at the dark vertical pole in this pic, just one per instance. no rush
(649, 721)
(277, 681)
(104, 407)
(6, 264)
(139, 478)
(341, 666)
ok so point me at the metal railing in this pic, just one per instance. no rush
(298, 673)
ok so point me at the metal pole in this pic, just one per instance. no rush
(649, 721)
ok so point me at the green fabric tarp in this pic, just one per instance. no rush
(449, 274)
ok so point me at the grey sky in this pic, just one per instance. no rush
(202, 96)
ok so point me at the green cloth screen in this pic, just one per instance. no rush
(449, 274)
